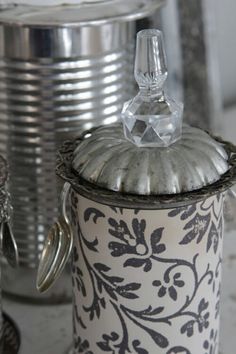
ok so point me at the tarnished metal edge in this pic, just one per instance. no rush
(95, 193)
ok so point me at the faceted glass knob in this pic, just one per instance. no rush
(151, 118)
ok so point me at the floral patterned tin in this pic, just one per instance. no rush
(146, 271)
(147, 281)
(145, 225)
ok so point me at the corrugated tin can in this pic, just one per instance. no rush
(68, 68)
(145, 225)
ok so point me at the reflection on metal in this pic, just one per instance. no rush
(57, 78)
(193, 162)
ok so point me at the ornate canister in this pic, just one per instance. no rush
(9, 336)
(68, 68)
(146, 225)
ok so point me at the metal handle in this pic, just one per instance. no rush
(57, 248)
(64, 197)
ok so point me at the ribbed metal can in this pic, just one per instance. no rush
(65, 71)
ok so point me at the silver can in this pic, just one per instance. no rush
(67, 69)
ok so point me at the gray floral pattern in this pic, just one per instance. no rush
(201, 319)
(210, 346)
(135, 280)
(170, 288)
(135, 243)
(82, 346)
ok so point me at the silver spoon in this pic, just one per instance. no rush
(57, 248)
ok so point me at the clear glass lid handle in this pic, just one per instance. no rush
(151, 118)
(150, 62)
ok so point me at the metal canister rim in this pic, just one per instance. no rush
(64, 170)
(67, 15)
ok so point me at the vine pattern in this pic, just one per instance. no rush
(137, 250)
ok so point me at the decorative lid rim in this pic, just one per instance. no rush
(107, 159)
(104, 196)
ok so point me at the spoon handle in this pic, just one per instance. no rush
(64, 197)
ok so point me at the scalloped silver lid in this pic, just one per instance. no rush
(105, 158)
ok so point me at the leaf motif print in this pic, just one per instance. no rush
(185, 212)
(102, 267)
(173, 293)
(95, 212)
(213, 238)
(158, 338)
(125, 291)
(200, 320)
(198, 226)
(203, 305)
(134, 262)
(220, 228)
(156, 236)
(138, 263)
(139, 228)
(188, 238)
(91, 245)
(149, 312)
(188, 328)
(82, 346)
(136, 344)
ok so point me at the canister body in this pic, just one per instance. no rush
(55, 83)
(147, 281)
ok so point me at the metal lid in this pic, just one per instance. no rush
(107, 159)
(83, 14)
(152, 154)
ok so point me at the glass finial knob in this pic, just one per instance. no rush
(151, 118)
(150, 62)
